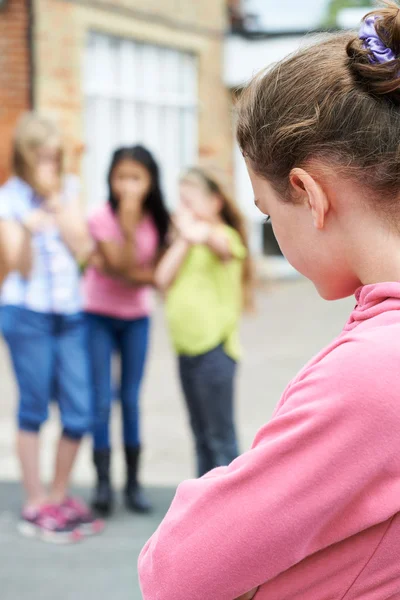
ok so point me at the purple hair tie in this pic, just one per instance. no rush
(379, 52)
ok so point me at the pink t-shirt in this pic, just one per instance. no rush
(105, 295)
(312, 511)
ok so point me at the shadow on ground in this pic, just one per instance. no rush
(100, 568)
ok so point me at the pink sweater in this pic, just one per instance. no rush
(109, 296)
(311, 511)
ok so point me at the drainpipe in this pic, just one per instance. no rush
(31, 51)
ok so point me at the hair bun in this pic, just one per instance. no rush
(374, 56)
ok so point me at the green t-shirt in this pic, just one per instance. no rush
(205, 301)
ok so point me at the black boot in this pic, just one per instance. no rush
(135, 498)
(103, 496)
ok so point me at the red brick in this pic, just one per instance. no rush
(14, 75)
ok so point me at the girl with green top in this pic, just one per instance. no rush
(206, 275)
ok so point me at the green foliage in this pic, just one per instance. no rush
(335, 6)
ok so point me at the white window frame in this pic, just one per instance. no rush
(138, 93)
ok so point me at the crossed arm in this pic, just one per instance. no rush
(118, 260)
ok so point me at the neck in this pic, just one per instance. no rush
(378, 258)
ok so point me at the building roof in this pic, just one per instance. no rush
(279, 28)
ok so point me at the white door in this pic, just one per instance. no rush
(138, 93)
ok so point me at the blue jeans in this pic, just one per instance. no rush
(208, 386)
(49, 356)
(130, 339)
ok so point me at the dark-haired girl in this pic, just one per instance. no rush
(130, 232)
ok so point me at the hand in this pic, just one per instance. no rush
(37, 220)
(130, 209)
(198, 233)
(249, 595)
(53, 203)
(47, 180)
(183, 219)
(193, 231)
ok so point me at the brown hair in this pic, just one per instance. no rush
(233, 217)
(33, 131)
(328, 101)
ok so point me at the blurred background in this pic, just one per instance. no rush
(160, 72)
(163, 73)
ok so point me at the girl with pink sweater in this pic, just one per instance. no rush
(311, 512)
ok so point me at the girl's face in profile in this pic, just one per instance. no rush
(203, 205)
(318, 253)
(130, 178)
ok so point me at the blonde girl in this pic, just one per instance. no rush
(42, 238)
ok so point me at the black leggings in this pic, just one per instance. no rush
(208, 386)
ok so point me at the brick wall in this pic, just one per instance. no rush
(14, 74)
(206, 15)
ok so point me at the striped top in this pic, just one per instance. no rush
(53, 285)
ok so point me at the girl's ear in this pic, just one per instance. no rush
(308, 190)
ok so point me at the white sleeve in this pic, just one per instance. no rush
(8, 205)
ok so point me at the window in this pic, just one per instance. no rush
(138, 93)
